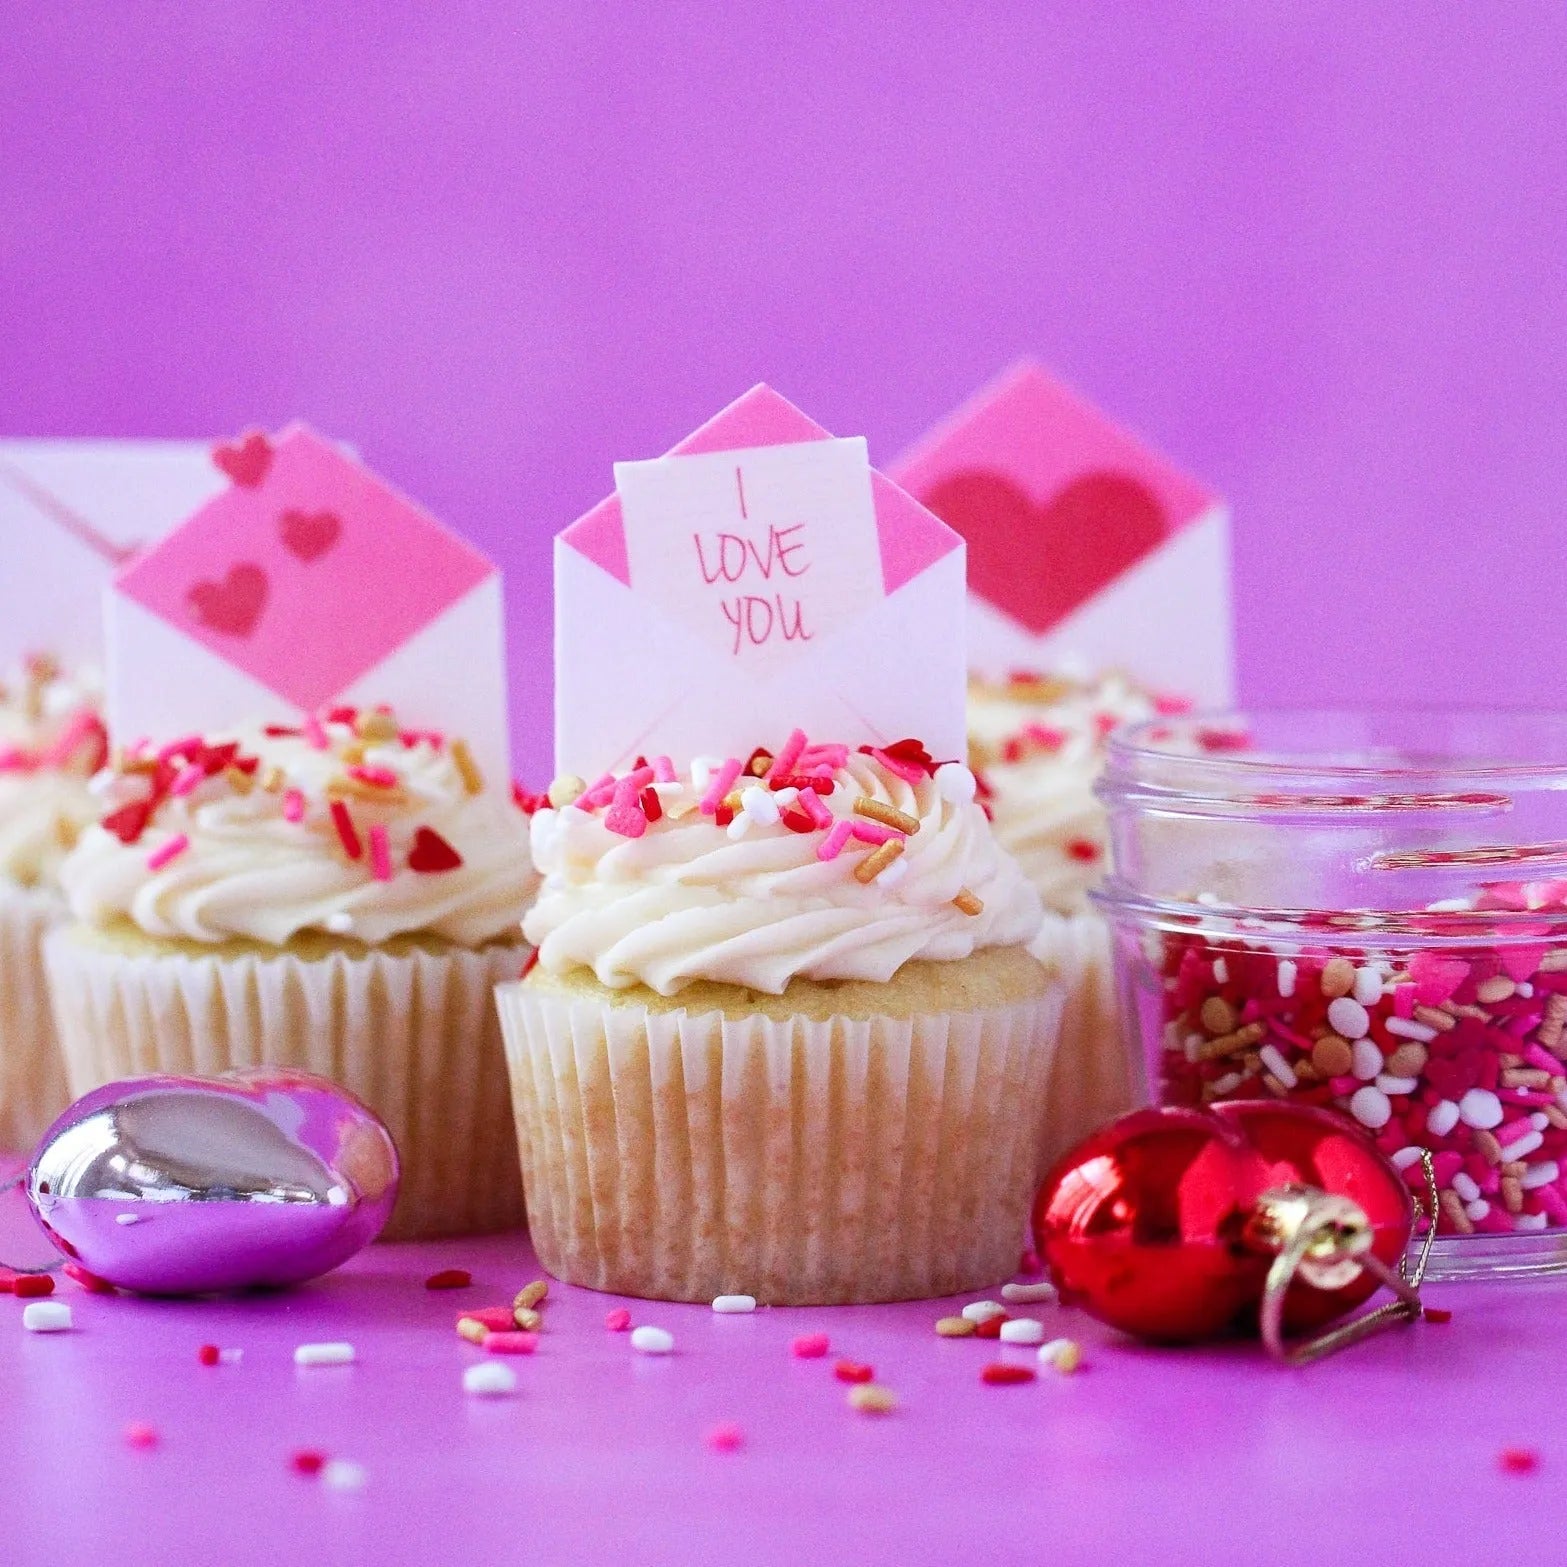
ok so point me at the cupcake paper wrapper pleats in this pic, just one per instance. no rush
(412, 1034)
(32, 1073)
(681, 1156)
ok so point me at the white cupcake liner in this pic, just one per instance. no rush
(680, 1156)
(1092, 1082)
(413, 1034)
(32, 1072)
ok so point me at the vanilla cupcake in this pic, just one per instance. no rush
(783, 1036)
(51, 744)
(340, 898)
(1038, 745)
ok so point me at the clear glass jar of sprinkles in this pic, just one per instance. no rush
(1367, 912)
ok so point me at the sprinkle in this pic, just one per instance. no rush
(967, 903)
(239, 780)
(731, 1305)
(167, 852)
(208, 1355)
(140, 1435)
(374, 778)
(339, 923)
(725, 1438)
(337, 1354)
(272, 780)
(853, 1371)
(1518, 1460)
(869, 1399)
(27, 1286)
(907, 771)
(188, 779)
(341, 1474)
(648, 1340)
(531, 1294)
(1064, 1354)
(431, 854)
(489, 1379)
(307, 1461)
(377, 726)
(886, 815)
(472, 1329)
(759, 806)
(721, 783)
(618, 1320)
(1023, 1330)
(878, 860)
(526, 1318)
(832, 845)
(510, 1342)
(983, 1310)
(46, 1316)
(815, 808)
(625, 815)
(1480, 1107)
(1021, 1294)
(565, 790)
(810, 1346)
(186, 745)
(467, 768)
(380, 853)
(347, 834)
(997, 1374)
(1438, 1316)
(954, 1327)
(788, 756)
(314, 733)
(1288, 973)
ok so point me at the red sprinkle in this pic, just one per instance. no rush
(88, 1281)
(810, 1346)
(208, 1354)
(347, 833)
(449, 1279)
(726, 1438)
(1518, 1460)
(853, 1371)
(528, 964)
(431, 853)
(1084, 849)
(1437, 1314)
(998, 1375)
(29, 1284)
(307, 1461)
(618, 1320)
(498, 1319)
(139, 1434)
(991, 1326)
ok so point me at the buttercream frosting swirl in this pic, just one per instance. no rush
(267, 833)
(750, 894)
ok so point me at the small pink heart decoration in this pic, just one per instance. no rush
(246, 460)
(234, 605)
(309, 535)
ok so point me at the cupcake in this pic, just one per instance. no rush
(339, 897)
(782, 1035)
(51, 744)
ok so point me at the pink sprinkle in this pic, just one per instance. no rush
(618, 1320)
(788, 756)
(380, 854)
(904, 770)
(1518, 1460)
(165, 852)
(832, 757)
(810, 1346)
(721, 783)
(14, 761)
(140, 1435)
(874, 832)
(187, 780)
(1513, 1130)
(626, 816)
(1542, 1059)
(832, 845)
(597, 794)
(314, 732)
(293, 805)
(79, 728)
(1404, 1002)
(179, 747)
(725, 1438)
(510, 1343)
(816, 808)
(1523, 1096)
(1550, 1199)
(663, 770)
(376, 777)
(1344, 1085)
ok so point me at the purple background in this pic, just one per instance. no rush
(1317, 251)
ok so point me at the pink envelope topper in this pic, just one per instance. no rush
(1085, 546)
(72, 512)
(305, 583)
(761, 576)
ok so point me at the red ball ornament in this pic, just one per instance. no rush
(1156, 1223)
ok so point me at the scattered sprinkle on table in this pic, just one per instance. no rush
(530, 1295)
(324, 1355)
(954, 1327)
(648, 1340)
(449, 1279)
(733, 1305)
(139, 1434)
(990, 1327)
(871, 1399)
(208, 1355)
(1518, 1460)
(997, 1374)
(984, 1310)
(46, 1316)
(1028, 1294)
(1437, 1314)
(618, 1320)
(307, 1461)
(853, 1371)
(810, 1346)
(1022, 1330)
(27, 1285)
(510, 1343)
(489, 1379)
(343, 1474)
(1064, 1354)
(725, 1438)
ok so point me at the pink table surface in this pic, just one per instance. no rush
(1386, 1453)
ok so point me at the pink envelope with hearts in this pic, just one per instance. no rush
(72, 512)
(307, 582)
(759, 577)
(1086, 547)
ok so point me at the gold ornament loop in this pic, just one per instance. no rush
(1326, 1240)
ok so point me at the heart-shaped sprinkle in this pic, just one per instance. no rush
(129, 822)
(246, 460)
(234, 605)
(431, 853)
(309, 535)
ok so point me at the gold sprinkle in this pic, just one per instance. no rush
(1409, 1060)
(527, 1319)
(887, 815)
(956, 1327)
(272, 780)
(878, 860)
(968, 903)
(472, 1329)
(1434, 1017)
(377, 726)
(1490, 1148)
(1556, 1116)
(531, 1294)
(345, 788)
(1338, 978)
(760, 764)
(352, 754)
(1554, 962)
(1525, 1077)
(869, 1399)
(1453, 1212)
(467, 768)
(1515, 1168)
(564, 790)
(1498, 988)
(1218, 1016)
(1512, 1194)
(1552, 1021)
(239, 780)
(1068, 1356)
(1228, 1044)
(136, 766)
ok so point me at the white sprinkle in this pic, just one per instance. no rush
(1480, 1108)
(730, 1305)
(648, 1340)
(786, 797)
(230, 1357)
(102, 783)
(1272, 1058)
(1288, 972)
(1210, 900)
(1221, 971)
(760, 804)
(489, 1379)
(1539, 1120)
(339, 923)
(1450, 906)
(1022, 1330)
(1465, 1186)
(1397, 1085)
(1523, 1147)
(1368, 986)
(1541, 1174)
(1228, 1083)
(1443, 1118)
(955, 783)
(702, 770)
(1369, 1106)
(1525, 989)
(1407, 1028)
(739, 826)
(341, 1474)
(1191, 1046)
(1530, 1221)
(1346, 1016)
(324, 1355)
(1406, 1157)
(1057, 1347)
(984, 1310)
(1365, 1060)
(46, 1316)
(128, 1218)
(1477, 1209)
(1020, 1294)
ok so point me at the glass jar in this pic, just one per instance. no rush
(1368, 912)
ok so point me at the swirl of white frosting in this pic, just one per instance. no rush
(1040, 747)
(49, 745)
(691, 900)
(248, 870)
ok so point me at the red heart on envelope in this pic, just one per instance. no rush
(233, 605)
(309, 535)
(1038, 563)
(245, 461)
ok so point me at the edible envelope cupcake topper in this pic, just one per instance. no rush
(760, 577)
(1084, 544)
(306, 582)
(71, 513)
